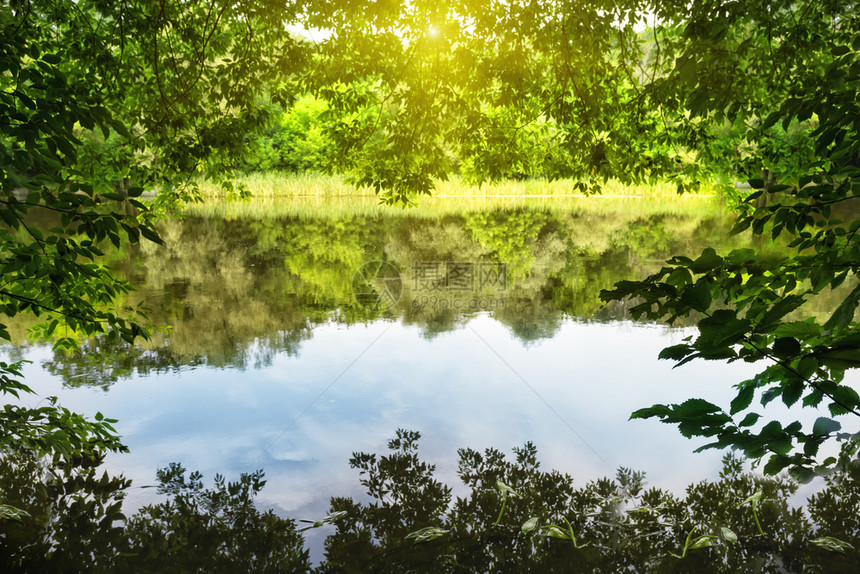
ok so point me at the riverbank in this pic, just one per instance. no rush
(281, 184)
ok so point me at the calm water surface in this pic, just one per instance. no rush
(483, 328)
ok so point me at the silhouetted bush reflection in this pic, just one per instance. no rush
(515, 517)
(75, 523)
(616, 525)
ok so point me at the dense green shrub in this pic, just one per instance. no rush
(296, 140)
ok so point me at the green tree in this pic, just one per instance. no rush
(70, 514)
(297, 140)
(808, 61)
(495, 86)
(656, 103)
(99, 103)
(641, 104)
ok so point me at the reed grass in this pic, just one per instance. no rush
(279, 184)
(334, 207)
(275, 194)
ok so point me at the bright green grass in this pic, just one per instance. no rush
(277, 194)
(325, 207)
(278, 184)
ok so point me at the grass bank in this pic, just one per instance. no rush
(279, 184)
(336, 207)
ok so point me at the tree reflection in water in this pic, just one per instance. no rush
(75, 523)
(518, 518)
(515, 517)
(239, 292)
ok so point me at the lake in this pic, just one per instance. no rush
(294, 334)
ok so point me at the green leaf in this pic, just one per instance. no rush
(847, 342)
(845, 312)
(792, 390)
(555, 532)
(427, 534)
(504, 488)
(749, 420)
(529, 525)
(786, 347)
(771, 119)
(720, 331)
(847, 396)
(776, 463)
(832, 544)
(649, 412)
(675, 352)
(11, 513)
(782, 308)
(703, 542)
(742, 400)
(695, 408)
(839, 358)
(697, 296)
(807, 367)
(728, 535)
(742, 225)
(813, 399)
(825, 426)
(708, 261)
(150, 234)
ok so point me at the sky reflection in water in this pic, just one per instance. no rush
(303, 416)
(344, 380)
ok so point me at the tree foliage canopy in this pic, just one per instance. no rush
(101, 101)
(743, 90)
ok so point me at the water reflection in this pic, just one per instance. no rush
(238, 291)
(516, 517)
(74, 523)
(270, 361)
(512, 516)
